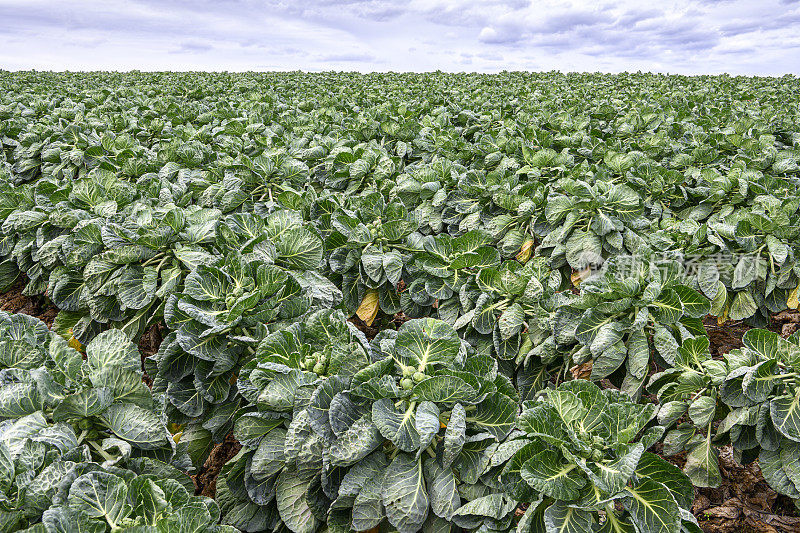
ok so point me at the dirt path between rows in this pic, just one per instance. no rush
(13, 301)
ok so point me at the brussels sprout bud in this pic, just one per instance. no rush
(406, 383)
(418, 376)
(319, 368)
(408, 371)
(597, 455)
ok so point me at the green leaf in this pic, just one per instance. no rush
(667, 309)
(702, 464)
(83, 404)
(427, 424)
(140, 427)
(781, 475)
(299, 248)
(496, 414)
(760, 380)
(653, 467)
(562, 518)
(149, 499)
(652, 507)
(719, 300)
(511, 321)
(21, 354)
(397, 426)
(445, 389)
(743, 306)
(442, 488)
(368, 508)
(404, 494)
(269, 458)
(612, 476)
(785, 413)
(426, 341)
(695, 305)
(100, 495)
(702, 410)
(358, 441)
(583, 248)
(68, 520)
(291, 490)
(454, 435)
(112, 348)
(547, 473)
(665, 344)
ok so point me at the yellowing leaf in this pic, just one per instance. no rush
(368, 309)
(579, 275)
(793, 302)
(525, 252)
(75, 344)
(721, 319)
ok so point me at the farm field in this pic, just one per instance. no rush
(292, 302)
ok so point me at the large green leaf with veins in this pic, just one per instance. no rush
(427, 342)
(405, 494)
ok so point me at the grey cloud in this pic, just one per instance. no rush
(631, 18)
(375, 10)
(467, 13)
(193, 47)
(514, 33)
(686, 36)
(573, 19)
(742, 26)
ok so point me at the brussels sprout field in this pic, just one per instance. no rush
(406, 302)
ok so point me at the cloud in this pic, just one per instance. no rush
(494, 36)
(193, 47)
(685, 36)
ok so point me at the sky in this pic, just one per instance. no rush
(750, 37)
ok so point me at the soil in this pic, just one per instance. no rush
(149, 343)
(726, 337)
(205, 481)
(786, 322)
(151, 339)
(13, 301)
(743, 502)
(382, 322)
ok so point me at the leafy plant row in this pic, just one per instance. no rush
(336, 437)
